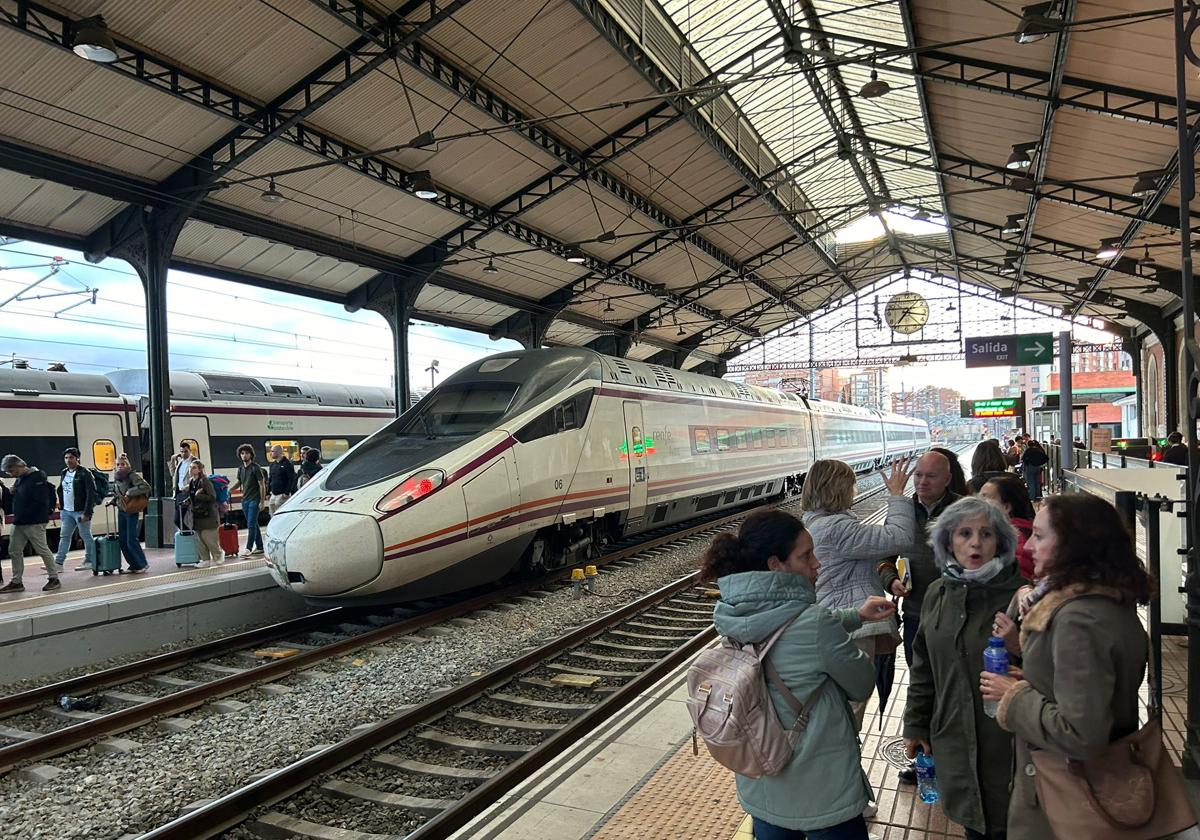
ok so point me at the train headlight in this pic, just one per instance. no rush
(414, 488)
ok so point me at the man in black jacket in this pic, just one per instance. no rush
(76, 498)
(281, 479)
(30, 504)
(1176, 451)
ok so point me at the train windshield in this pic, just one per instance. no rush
(459, 408)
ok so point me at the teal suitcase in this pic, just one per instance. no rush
(185, 549)
(108, 554)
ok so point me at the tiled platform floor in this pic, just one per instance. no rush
(693, 797)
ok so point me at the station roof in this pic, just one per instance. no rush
(679, 172)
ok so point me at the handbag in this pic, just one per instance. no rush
(1131, 791)
(136, 504)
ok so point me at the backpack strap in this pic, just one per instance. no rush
(776, 681)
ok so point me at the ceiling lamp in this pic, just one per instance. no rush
(1109, 247)
(1019, 159)
(271, 195)
(607, 237)
(425, 138)
(1037, 22)
(1146, 184)
(574, 255)
(422, 185)
(680, 333)
(490, 268)
(608, 307)
(93, 42)
(1014, 224)
(922, 215)
(1147, 261)
(1021, 183)
(875, 88)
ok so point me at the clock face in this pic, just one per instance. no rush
(907, 312)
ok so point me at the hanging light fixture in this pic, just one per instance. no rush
(271, 195)
(490, 268)
(875, 88)
(93, 42)
(1110, 247)
(608, 307)
(422, 185)
(425, 138)
(1019, 158)
(1014, 224)
(1037, 22)
(1147, 261)
(922, 215)
(574, 255)
(607, 237)
(1146, 184)
(680, 333)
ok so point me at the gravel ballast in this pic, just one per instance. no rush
(106, 796)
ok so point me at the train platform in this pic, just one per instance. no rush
(639, 776)
(96, 617)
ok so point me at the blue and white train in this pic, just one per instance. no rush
(536, 459)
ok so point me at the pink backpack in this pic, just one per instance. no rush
(731, 707)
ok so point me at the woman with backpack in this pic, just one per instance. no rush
(202, 504)
(767, 574)
(1033, 459)
(131, 494)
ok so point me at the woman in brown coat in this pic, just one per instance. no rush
(1084, 648)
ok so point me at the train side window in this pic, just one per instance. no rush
(795, 435)
(770, 438)
(782, 436)
(104, 454)
(333, 448)
(757, 439)
(196, 453)
(539, 427)
(700, 440)
(723, 442)
(291, 448)
(741, 439)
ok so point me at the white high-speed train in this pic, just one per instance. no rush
(538, 458)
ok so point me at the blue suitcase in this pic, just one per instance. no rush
(185, 549)
(107, 552)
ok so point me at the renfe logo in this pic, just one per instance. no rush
(330, 500)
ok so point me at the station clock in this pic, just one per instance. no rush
(907, 312)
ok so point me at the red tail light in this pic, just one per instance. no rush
(414, 488)
(1155, 456)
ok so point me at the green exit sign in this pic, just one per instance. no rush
(998, 407)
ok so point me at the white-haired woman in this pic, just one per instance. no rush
(974, 545)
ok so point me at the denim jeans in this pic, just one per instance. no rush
(254, 537)
(72, 521)
(131, 549)
(851, 829)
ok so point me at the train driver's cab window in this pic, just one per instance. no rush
(291, 448)
(564, 417)
(700, 441)
(195, 447)
(104, 455)
(333, 448)
(723, 440)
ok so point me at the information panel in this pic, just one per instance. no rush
(998, 407)
(1008, 350)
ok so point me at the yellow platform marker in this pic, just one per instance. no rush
(276, 653)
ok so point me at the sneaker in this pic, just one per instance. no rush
(51, 585)
(908, 775)
(258, 552)
(12, 587)
(84, 567)
(140, 571)
(59, 568)
(246, 553)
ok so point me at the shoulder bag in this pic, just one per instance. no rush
(1131, 791)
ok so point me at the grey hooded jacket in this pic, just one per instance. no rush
(850, 552)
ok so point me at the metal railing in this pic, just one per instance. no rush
(1087, 458)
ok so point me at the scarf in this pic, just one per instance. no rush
(983, 574)
(1028, 596)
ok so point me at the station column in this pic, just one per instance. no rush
(393, 297)
(145, 238)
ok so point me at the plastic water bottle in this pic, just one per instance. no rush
(927, 784)
(995, 661)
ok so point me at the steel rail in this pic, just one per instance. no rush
(75, 736)
(233, 808)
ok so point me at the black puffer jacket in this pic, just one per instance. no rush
(32, 499)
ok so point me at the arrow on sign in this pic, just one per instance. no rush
(1038, 348)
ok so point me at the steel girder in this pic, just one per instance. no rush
(876, 193)
(608, 26)
(188, 86)
(1063, 192)
(801, 364)
(1058, 64)
(1029, 84)
(470, 88)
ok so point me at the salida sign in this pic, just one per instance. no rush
(1009, 350)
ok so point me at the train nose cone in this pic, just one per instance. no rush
(318, 552)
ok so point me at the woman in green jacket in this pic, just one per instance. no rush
(766, 574)
(974, 545)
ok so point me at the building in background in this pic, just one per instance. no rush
(868, 388)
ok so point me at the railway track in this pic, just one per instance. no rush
(455, 754)
(159, 690)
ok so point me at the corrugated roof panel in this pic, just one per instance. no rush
(433, 300)
(562, 332)
(688, 174)
(1087, 146)
(679, 267)
(1138, 54)
(51, 206)
(979, 126)
(54, 100)
(943, 21)
(580, 214)
(248, 46)
(523, 271)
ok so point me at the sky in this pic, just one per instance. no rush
(300, 338)
(295, 337)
